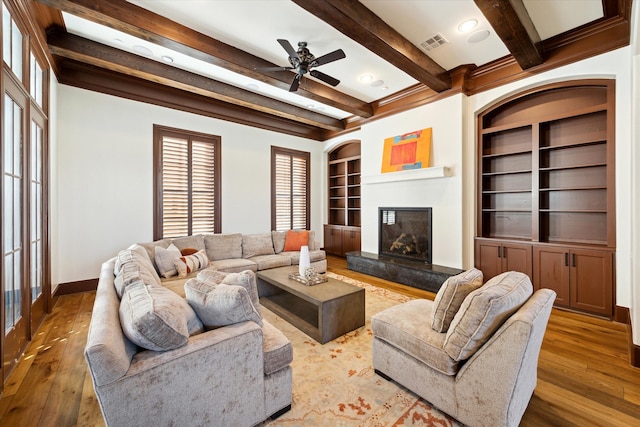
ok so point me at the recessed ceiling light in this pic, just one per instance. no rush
(478, 36)
(142, 50)
(468, 25)
(366, 78)
(167, 58)
(252, 86)
(310, 106)
(377, 83)
(119, 41)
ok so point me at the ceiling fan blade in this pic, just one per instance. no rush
(293, 55)
(329, 57)
(295, 83)
(325, 78)
(273, 68)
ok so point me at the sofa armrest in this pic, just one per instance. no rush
(217, 378)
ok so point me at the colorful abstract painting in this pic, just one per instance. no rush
(409, 151)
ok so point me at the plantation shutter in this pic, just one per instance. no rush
(290, 189)
(187, 183)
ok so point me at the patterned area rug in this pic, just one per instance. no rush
(335, 385)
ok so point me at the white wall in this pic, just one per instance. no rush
(635, 181)
(102, 181)
(444, 195)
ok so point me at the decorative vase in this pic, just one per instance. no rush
(304, 261)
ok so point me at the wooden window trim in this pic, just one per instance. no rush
(293, 153)
(158, 133)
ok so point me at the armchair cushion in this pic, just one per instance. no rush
(406, 327)
(155, 318)
(246, 279)
(450, 296)
(130, 273)
(483, 311)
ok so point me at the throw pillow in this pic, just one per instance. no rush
(155, 318)
(483, 311)
(188, 251)
(450, 296)
(190, 263)
(165, 258)
(296, 239)
(257, 244)
(220, 305)
(246, 279)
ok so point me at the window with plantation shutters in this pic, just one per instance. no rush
(289, 189)
(187, 183)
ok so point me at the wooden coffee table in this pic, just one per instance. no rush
(324, 311)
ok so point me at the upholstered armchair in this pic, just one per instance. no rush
(473, 351)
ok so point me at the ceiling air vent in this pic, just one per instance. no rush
(433, 42)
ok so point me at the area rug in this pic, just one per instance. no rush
(335, 385)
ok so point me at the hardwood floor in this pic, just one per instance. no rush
(584, 376)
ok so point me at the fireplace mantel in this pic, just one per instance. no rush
(408, 175)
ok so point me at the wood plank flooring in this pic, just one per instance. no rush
(584, 376)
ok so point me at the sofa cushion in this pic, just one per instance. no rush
(407, 326)
(266, 262)
(257, 244)
(450, 296)
(223, 246)
(278, 350)
(278, 238)
(484, 310)
(132, 272)
(155, 318)
(136, 255)
(190, 263)
(295, 240)
(246, 279)
(220, 305)
(196, 242)
(164, 260)
(314, 256)
(235, 265)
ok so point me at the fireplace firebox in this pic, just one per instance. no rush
(405, 233)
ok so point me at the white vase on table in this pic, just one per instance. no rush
(304, 261)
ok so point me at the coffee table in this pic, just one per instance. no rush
(324, 311)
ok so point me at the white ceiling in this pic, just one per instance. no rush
(255, 25)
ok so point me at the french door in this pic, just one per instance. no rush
(23, 279)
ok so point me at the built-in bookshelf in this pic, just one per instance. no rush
(546, 191)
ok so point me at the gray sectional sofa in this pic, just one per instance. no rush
(157, 357)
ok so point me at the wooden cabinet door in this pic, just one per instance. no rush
(350, 240)
(487, 258)
(333, 240)
(551, 270)
(592, 281)
(517, 257)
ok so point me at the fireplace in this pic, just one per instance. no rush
(405, 233)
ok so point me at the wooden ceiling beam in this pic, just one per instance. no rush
(355, 21)
(139, 22)
(512, 23)
(80, 49)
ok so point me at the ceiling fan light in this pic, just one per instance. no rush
(468, 25)
(366, 78)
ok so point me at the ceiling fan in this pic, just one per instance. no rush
(302, 61)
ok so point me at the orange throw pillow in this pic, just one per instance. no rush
(295, 239)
